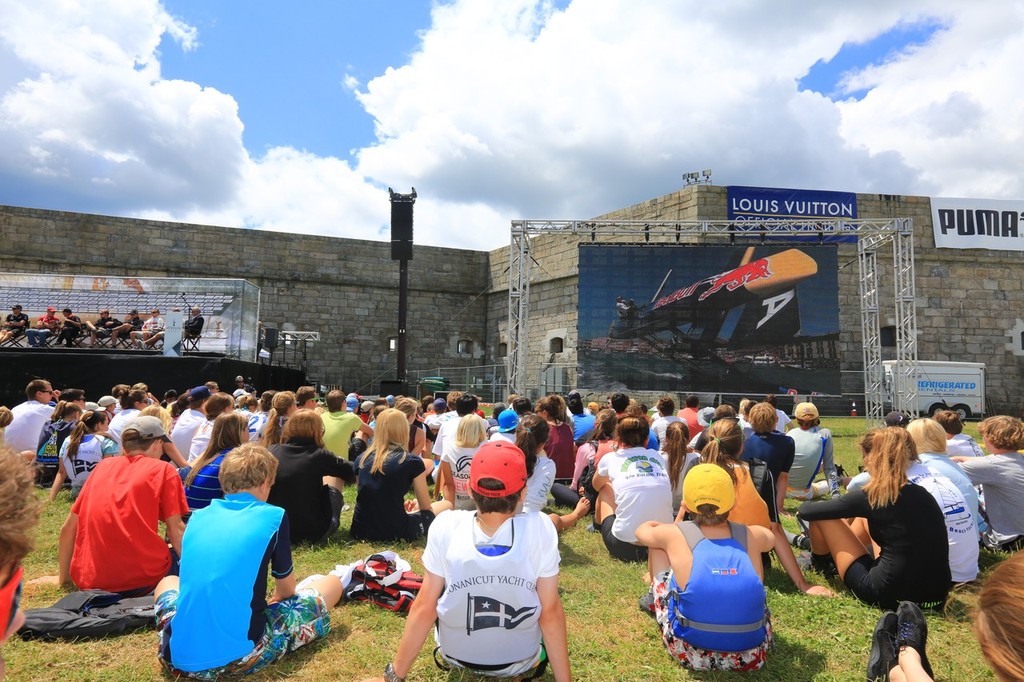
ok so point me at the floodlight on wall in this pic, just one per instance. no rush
(697, 177)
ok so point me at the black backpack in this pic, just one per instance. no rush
(89, 613)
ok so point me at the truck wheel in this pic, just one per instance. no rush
(963, 411)
(937, 407)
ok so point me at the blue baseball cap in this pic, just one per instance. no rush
(352, 402)
(391, 400)
(508, 420)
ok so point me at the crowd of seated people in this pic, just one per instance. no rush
(94, 331)
(241, 478)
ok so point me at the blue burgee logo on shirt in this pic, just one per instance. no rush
(485, 612)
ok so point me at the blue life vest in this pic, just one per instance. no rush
(722, 607)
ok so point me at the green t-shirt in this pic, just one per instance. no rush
(339, 429)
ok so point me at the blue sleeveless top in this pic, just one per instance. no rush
(722, 607)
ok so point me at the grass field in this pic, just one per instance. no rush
(609, 638)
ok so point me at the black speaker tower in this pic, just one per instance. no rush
(401, 251)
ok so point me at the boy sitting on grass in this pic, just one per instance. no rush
(707, 587)
(491, 581)
(215, 618)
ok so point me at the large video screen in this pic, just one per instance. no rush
(722, 319)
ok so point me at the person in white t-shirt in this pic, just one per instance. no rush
(783, 423)
(531, 437)
(490, 585)
(190, 420)
(152, 331)
(29, 418)
(958, 443)
(465, 404)
(132, 402)
(470, 434)
(666, 415)
(633, 488)
(216, 405)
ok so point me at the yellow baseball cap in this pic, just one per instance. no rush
(709, 484)
(805, 411)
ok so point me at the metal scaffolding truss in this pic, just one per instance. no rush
(872, 236)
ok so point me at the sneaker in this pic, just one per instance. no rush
(912, 631)
(801, 541)
(884, 653)
(647, 604)
(825, 565)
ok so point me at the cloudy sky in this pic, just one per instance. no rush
(298, 117)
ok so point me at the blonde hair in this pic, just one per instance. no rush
(6, 416)
(160, 413)
(1004, 432)
(745, 406)
(999, 621)
(230, 430)
(390, 434)
(19, 508)
(928, 435)
(280, 404)
(762, 418)
(888, 453)
(248, 466)
(471, 432)
(725, 443)
(305, 424)
(407, 406)
(677, 435)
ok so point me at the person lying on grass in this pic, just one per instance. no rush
(491, 582)
(697, 567)
(214, 619)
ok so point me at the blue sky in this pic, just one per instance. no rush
(286, 68)
(298, 119)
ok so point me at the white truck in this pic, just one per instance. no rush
(957, 386)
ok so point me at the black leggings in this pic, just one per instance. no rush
(564, 495)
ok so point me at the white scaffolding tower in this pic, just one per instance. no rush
(872, 236)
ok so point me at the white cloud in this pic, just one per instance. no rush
(516, 110)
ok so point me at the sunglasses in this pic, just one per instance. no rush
(10, 599)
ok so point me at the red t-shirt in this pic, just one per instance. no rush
(689, 415)
(561, 449)
(118, 546)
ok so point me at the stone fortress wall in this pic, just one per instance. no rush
(970, 303)
(343, 288)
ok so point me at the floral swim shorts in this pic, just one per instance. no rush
(696, 658)
(291, 623)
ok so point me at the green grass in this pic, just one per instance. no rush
(609, 638)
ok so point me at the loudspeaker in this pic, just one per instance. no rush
(401, 250)
(401, 230)
(270, 338)
(394, 388)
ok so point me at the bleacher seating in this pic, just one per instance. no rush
(119, 303)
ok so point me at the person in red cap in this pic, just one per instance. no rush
(490, 581)
(46, 324)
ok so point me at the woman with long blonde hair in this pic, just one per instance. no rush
(899, 521)
(202, 484)
(386, 472)
(455, 460)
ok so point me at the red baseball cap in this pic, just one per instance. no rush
(51, 309)
(502, 461)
